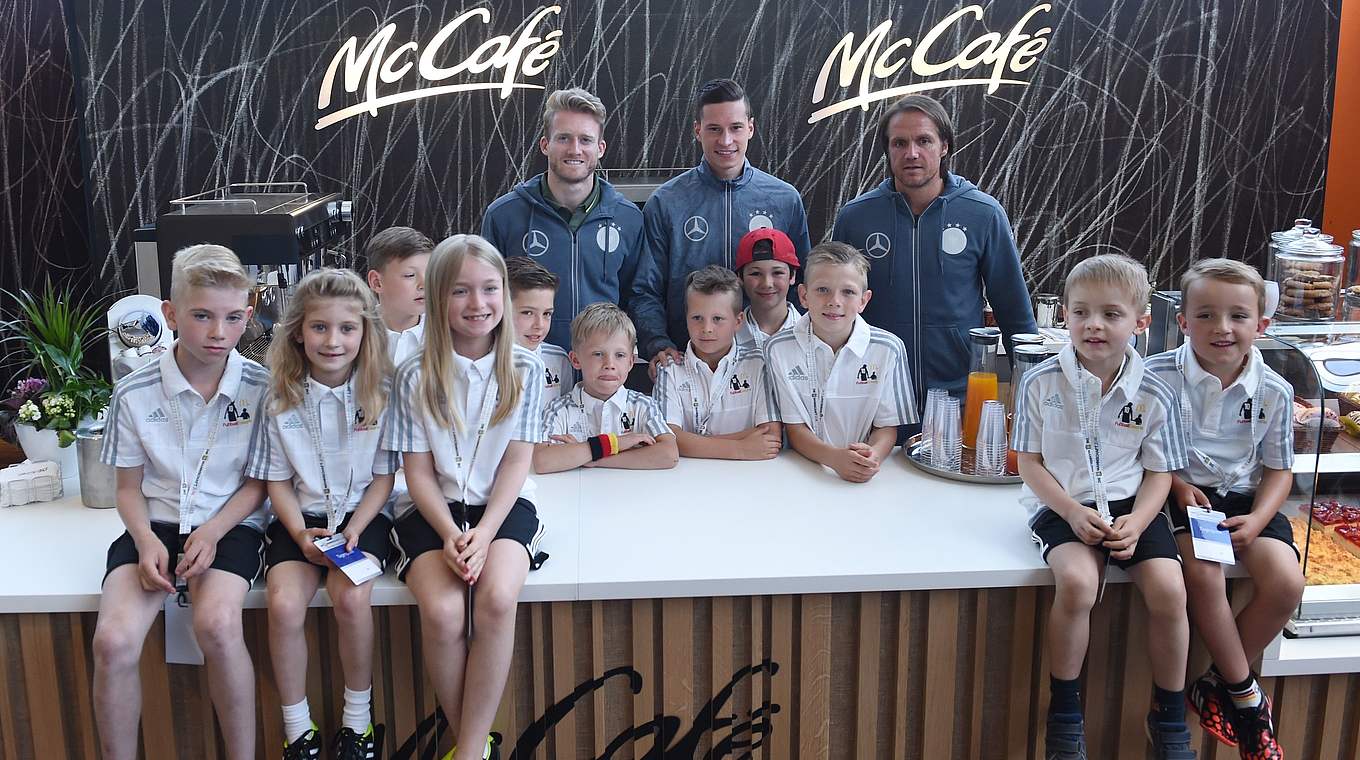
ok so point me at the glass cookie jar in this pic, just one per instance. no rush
(1308, 271)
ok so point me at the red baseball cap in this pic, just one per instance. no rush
(765, 244)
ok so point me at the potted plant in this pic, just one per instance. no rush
(57, 393)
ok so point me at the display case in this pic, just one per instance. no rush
(1322, 362)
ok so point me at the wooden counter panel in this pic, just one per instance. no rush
(948, 675)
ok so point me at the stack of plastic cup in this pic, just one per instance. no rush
(933, 398)
(946, 442)
(990, 458)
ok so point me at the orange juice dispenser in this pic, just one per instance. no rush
(982, 382)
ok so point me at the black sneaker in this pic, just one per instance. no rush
(307, 747)
(350, 745)
(1170, 741)
(1066, 738)
(1256, 733)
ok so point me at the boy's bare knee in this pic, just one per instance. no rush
(115, 646)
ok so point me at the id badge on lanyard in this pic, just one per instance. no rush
(188, 492)
(334, 507)
(1090, 433)
(1226, 479)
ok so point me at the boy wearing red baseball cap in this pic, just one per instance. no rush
(766, 262)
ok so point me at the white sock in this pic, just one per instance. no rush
(356, 709)
(297, 720)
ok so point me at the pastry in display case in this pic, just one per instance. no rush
(1322, 362)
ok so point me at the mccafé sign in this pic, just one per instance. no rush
(415, 72)
(875, 61)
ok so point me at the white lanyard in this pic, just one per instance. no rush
(814, 366)
(1226, 479)
(1090, 433)
(335, 508)
(189, 493)
(714, 393)
(489, 391)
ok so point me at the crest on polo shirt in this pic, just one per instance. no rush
(157, 416)
(360, 424)
(866, 374)
(626, 422)
(238, 413)
(1244, 413)
(738, 384)
(551, 379)
(1130, 416)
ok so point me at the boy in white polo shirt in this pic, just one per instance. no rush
(533, 290)
(717, 400)
(842, 387)
(600, 423)
(179, 431)
(766, 262)
(1088, 424)
(1237, 413)
(397, 257)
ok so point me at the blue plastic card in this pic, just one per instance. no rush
(1212, 543)
(354, 564)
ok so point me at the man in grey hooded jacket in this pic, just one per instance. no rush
(935, 242)
(699, 217)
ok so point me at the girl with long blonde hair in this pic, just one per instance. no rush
(465, 419)
(318, 448)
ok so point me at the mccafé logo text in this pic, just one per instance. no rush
(875, 60)
(506, 58)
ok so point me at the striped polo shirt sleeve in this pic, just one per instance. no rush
(786, 394)
(1165, 447)
(667, 395)
(404, 427)
(268, 459)
(1277, 448)
(122, 442)
(528, 414)
(1027, 424)
(653, 422)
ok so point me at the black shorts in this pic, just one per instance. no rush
(1235, 505)
(239, 552)
(280, 547)
(412, 536)
(1051, 530)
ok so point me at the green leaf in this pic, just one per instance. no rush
(65, 438)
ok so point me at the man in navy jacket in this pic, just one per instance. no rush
(935, 243)
(699, 217)
(576, 224)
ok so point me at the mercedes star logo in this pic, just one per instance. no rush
(696, 228)
(877, 245)
(536, 242)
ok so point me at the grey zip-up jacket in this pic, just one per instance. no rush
(695, 220)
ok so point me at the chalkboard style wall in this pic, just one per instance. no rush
(1165, 129)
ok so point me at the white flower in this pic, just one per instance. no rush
(29, 412)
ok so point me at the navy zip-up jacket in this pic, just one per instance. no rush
(694, 220)
(597, 263)
(928, 273)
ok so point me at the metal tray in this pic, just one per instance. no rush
(912, 451)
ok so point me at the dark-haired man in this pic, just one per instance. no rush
(935, 243)
(699, 217)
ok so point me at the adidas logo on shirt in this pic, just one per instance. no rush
(292, 423)
(797, 374)
(157, 416)
(1054, 402)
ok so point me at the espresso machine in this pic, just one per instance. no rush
(279, 230)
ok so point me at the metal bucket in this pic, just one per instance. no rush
(98, 481)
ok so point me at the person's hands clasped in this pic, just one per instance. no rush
(1088, 526)
(473, 545)
(1127, 530)
(854, 465)
(153, 565)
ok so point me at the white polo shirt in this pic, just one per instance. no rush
(409, 427)
(866, 385)
(286, 448)
(1137, 427)
(154, 410)
(581, 415)
(733, 398)
(558, 374)
(1221, 419)
(750, 333)
(405, 344)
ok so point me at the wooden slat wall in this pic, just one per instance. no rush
(943, 675)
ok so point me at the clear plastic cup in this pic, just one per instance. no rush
(990, 454)
(933, 398)
(947, 439)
